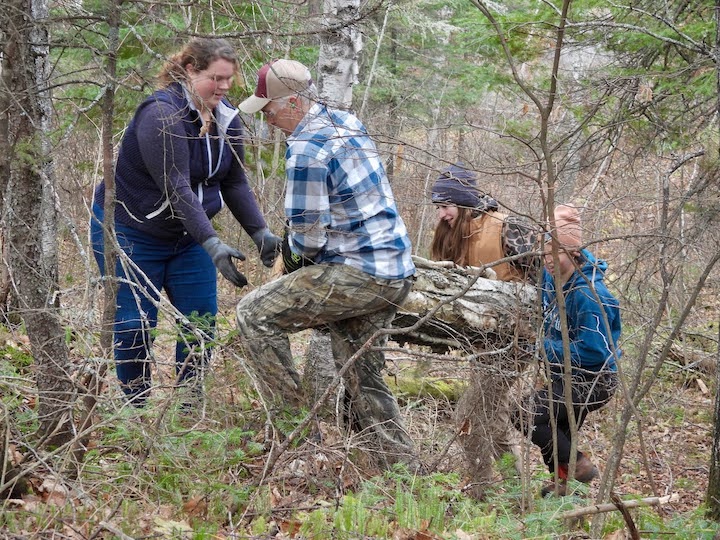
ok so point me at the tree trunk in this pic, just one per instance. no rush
(5, 98)
(457, 309)
(340, 47)
(4, 274)
(30, 215)
(93, 382)
(320, 371)
(712, 499)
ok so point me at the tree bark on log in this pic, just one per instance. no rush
(459, 310)
(470, 311)
(454, 308)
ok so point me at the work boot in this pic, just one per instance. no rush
(585, 470)
(549, 489)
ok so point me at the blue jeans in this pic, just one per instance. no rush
(188, 276)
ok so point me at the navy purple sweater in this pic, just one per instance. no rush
(171, 180)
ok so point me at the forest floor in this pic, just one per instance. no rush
(175, 467)
(666, 451)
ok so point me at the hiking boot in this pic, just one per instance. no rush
(548, 489)
(585, 470)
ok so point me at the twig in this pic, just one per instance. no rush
(468, 271)
(114, 530)
(622, 507)
(609, 507)
(643, 453)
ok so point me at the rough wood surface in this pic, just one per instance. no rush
(609, 507)
(470, 311)
(693, 358)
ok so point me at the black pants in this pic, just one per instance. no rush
(590, 392)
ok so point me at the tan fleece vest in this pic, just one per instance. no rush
(486, 245)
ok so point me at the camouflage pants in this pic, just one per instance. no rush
(353, 305)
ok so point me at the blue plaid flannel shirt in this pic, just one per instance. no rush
(339, 203)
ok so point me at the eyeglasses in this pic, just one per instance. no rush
(277, 105)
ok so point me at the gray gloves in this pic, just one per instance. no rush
(222, 257)
(268, 245)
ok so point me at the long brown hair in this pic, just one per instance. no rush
(451, 243)
(200, 53)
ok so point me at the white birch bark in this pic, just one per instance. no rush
(340, 47)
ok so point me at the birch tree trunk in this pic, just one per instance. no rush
(29, 217)
(340, 46)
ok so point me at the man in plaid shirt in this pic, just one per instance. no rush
(342, 217)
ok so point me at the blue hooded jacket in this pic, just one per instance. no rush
(591, 348)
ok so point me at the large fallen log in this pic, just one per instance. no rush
(468, 310)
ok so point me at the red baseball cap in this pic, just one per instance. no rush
(277, 79)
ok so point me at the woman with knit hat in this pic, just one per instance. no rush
(471, 231)
(593, 322)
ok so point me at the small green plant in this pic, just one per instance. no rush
(15, 358)
(505, 465)
(677, 415)
(287, 420)
(686, 483)
(316, 525)
(356, 517)
(205, 531)
(259, 526)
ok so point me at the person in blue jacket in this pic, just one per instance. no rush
(180, 162)
(593, 320)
